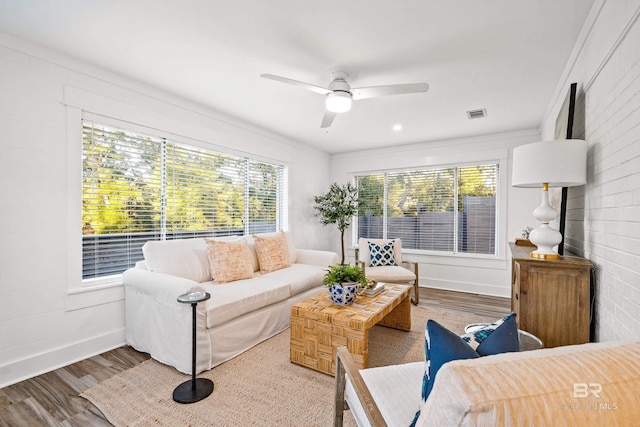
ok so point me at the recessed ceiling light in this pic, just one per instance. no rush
(397, 127)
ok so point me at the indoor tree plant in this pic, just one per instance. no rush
(343, 281)
(338, 206)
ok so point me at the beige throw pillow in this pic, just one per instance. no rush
(229, 260)
(273, 252)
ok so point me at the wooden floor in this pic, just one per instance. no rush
(53, 399)
(463, 302)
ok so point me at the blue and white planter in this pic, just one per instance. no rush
(344, 293)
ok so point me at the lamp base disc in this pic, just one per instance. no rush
(544, 256)
(186, 393)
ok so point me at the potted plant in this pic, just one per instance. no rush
(338, 206)
(343, 281)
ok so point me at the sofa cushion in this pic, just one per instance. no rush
(229, 260)
(273, 252)
(381, 255)
(186, 258)
(390, 273)
(234, 299)
(299, 276)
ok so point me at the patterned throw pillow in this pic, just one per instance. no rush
(229, 260)
(381, 255)
(442, 346)
(273, 252)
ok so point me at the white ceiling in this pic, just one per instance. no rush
(506, 56)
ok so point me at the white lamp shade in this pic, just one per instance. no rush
(560, 163)
(338, 101)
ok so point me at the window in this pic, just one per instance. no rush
(139, 187)
(450, 210)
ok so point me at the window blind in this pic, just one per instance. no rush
(371, 206)
(448, 210)
(477, 207)
(139, 187)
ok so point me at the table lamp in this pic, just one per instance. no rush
(560, 163)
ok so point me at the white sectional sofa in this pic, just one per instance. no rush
(239, 315)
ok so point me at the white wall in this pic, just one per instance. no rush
(46, 318)
(474, 274)
(605, 226)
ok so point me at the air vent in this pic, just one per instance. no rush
(477, 114)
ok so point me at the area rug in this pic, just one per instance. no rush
(260, 387)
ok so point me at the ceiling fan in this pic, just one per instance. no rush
(339, 94)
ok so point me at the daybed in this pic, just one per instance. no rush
(588, 384)
(239, 315)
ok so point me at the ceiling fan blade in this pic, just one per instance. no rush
(316, 89)
(377, 91)
(327, 119)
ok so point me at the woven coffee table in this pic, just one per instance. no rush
(319, 326)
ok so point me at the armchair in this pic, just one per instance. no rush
(387, 266)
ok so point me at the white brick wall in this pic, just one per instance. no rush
(612, 195)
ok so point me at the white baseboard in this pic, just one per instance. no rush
(474, 288)
(29, 367)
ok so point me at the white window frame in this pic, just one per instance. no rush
(243, 163)
(79, 103)
(497, 156)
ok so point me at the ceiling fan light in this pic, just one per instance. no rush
(338, 102)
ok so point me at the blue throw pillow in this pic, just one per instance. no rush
(494, 338)
(381, 255)
(442, 346)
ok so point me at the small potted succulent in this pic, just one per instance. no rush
(343, 281)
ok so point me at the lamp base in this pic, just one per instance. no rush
(545, 237)
(544, 256)
(187, 392)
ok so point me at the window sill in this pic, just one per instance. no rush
(458, 260)
(451, 255)
(91, 296)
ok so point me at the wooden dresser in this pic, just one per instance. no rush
(551, 297)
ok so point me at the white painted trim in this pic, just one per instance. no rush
(474, 288)
(77, 299)
(438, 146)
(561, 88)
(578, 51)
(614, 47)
(144, 91)
(460, 260)
(158, 117)
(29, 367)
(73, 178)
